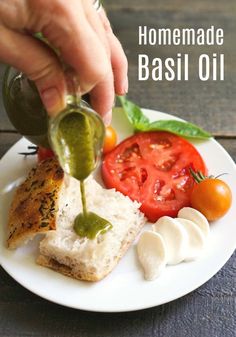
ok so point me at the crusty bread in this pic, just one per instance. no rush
(63, 250)
(34, 206)
(48, 201)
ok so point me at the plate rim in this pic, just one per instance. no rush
(130, 308)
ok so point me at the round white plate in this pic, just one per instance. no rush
(124, 289)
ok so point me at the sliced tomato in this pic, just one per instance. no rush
(44, 153)
(153, 168)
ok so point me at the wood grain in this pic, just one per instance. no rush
(209, 104)
(182, 5)
(210, 310)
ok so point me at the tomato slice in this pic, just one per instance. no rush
(153, 168)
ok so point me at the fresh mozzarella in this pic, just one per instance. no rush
(172, 241)
(152, 254)
(198, 218)
(196, 239)
(175, 238)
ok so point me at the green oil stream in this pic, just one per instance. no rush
(72, 140)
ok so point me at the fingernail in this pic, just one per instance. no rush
(107, 118)
(52, 101)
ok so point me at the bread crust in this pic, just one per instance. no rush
(53, 264)
(35, 203)
(40, 200)
(82, 272)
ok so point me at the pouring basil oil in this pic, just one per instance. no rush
(77, 135)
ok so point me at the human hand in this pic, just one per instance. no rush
(84, 39)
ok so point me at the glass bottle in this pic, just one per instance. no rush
(24, 107)
(28, 115)
(76, 133)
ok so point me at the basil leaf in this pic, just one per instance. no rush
(180, 128)
(141, 123)
(134, 114)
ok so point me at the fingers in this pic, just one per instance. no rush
(78, 43)
(103, 95)
(119, 66)
(97, 25)
(85, 42)
(118, 58)
(102, 98)
(38, 63)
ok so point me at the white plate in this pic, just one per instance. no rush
(124, 289)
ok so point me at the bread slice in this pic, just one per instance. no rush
(84, 259)
(34, 206)
(48, 202)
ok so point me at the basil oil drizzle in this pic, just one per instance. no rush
(87, 223)
(91, 225)
(83, 197)
(74, 144)
(73, 135)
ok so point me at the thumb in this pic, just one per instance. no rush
(40, 65)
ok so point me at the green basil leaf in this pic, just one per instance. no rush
(180, 128)
(134, 114)
(141, 123)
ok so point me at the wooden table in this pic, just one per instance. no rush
(210, 310)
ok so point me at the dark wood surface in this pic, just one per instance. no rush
(210, 310)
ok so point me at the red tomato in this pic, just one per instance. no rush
(44, 153)
(153, 168)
